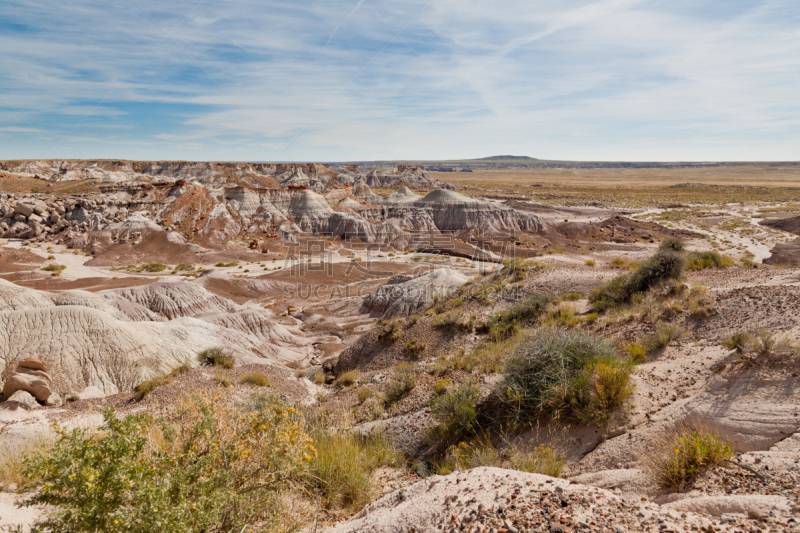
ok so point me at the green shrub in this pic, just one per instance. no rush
(184, 267)
(440, 387)
(364, 394)
(454, 320)
(738, 341)
(255, 378)
(679, 457)
(152, 267)
(413, 319)
(227, 265)
(665, 333)
(506, 323)
(347, 379)
(214, 466)
(55, 269)
(146, 387)
(389, 330)
(319, 378)
(571, 296)
(401, 384)
(466, 456)
(671, 243)
(456, 411)
(216, 357)
(591, 262)
(564, 374)
(637, 352)
(703, 260)
(763, 342)
(224, 379)
(414, 348)
(664, 265)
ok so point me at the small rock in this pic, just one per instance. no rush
(23, 398)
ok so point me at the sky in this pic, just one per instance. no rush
(357, 80)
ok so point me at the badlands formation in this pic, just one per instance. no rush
(375, 298)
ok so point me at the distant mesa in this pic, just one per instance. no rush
(507, 157)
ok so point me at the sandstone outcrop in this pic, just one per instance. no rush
(30, 376)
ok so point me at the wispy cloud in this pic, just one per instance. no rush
(708, 80)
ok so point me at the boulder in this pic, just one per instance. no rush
(24, 398)
(30, 376)
(39, 208)
(23, 209)
(91, 393)
(54, 400)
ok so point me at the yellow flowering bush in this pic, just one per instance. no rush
(213, 466)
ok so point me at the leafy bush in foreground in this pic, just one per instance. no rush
(214, 467)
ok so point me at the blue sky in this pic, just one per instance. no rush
(338, 80)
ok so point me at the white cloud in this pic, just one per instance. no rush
(589, 79)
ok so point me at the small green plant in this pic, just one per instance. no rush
(55, 269)
(454, 320)
(671, 243)
(319, 378)
(571, 296)
(184, 267)
(146, 387)
(542, 459)
(347, 379)
(399, 386)
(51, 257)
(224, 379)
(665, 265)
(591, 262)
(227, 265)
(703, 260)
(682, 455)
(257, 379)
(389, 330)
(764, 342)
(748, 263)
(637, 352)
(456, 411)
(665, 333)
(468, 455)
(414, 348)
(412, 319)
(216, 357)
(505, 324)
(440, 387)
(738, 341)
(364, 394)
(152, 267)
